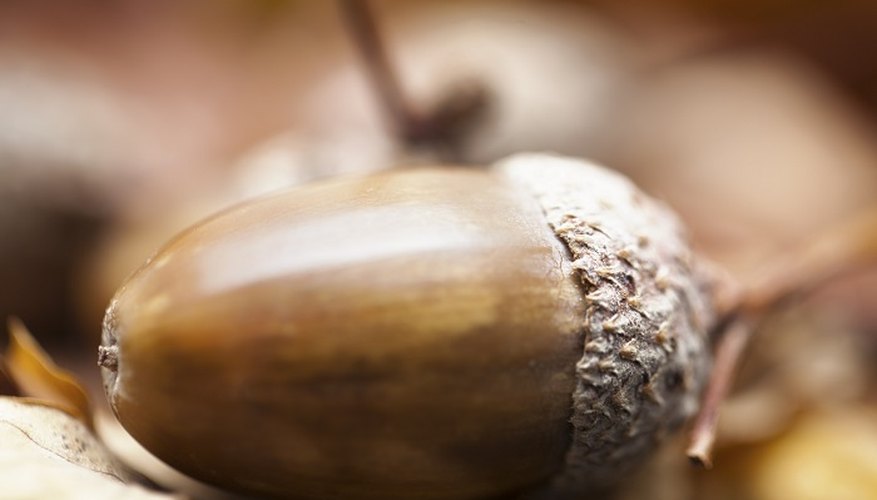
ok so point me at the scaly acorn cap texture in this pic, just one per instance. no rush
(430, 333)
(648, 317)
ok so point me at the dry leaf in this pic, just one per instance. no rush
(46, 453)
(38, 377)
(826, 455)
(47, 449)
(8, 386)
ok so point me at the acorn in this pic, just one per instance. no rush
(538, 326)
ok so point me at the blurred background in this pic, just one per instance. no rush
(123, 122)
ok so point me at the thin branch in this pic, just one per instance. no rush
(360, 21)
(838, 252)
(443, 126)
(835, 253)
(728, 354)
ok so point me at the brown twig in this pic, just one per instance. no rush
(835, 253)
(441, 127)
(729, 351)
(360, 21)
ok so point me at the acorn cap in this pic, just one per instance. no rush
(649, 312)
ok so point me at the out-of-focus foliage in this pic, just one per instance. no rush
(47, 448)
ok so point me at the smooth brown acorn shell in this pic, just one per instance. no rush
(406, 335)
(414, 334)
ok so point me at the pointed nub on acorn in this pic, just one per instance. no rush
(438, 333)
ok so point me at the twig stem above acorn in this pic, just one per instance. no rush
(442, 127)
